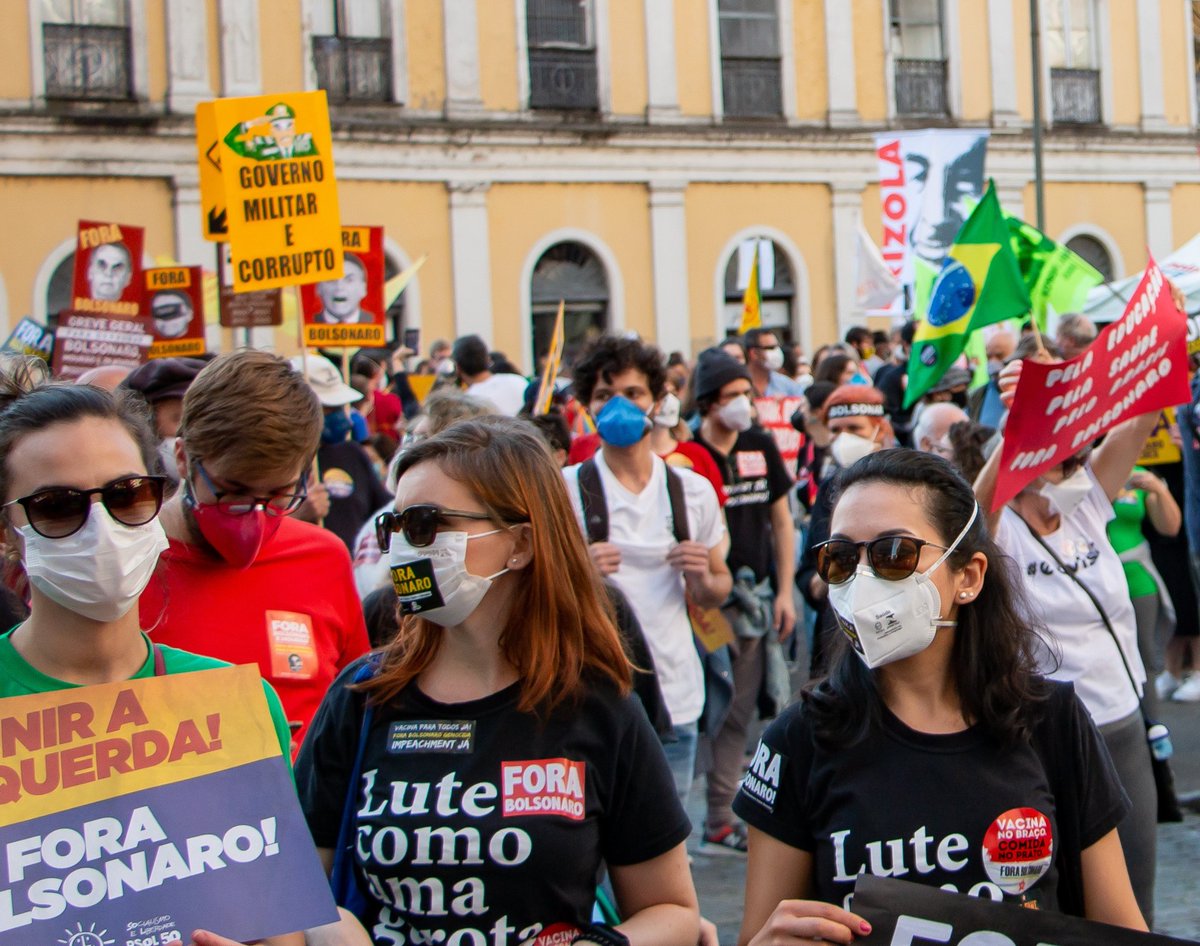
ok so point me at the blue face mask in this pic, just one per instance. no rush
(859, 379)
(621, 422)
(337, 427)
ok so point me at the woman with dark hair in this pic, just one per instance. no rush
(80, 518)
(838, 368)
(931, 734)
(494, 757)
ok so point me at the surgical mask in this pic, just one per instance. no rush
(166, 458)
(337, 427)
(236, 539)
(668, 411)
(621, 422)
(847, 449)
(993, 367)
(433, 582)
(1066, 497)
(860, 379)
(737, 414)
(99, 571)
(774, 358)
(887, 621)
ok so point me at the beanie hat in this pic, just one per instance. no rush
(715, 369)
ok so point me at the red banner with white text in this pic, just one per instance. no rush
(1136, 365)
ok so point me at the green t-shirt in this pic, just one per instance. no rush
(18, 678)
(1125, 533)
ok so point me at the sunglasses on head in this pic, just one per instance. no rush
(419, 524)
(891, 557)
(60, 511)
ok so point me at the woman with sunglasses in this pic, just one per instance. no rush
(932, 734)
(494, 757)
(80, 515)
(1055, 530)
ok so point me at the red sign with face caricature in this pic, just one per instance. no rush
(348, 312)
(1136, 365)
(108, 269)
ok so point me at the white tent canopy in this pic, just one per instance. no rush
(1106, 303)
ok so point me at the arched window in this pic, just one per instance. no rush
(396, 309)
(574, 274)
(776, 283)
(58, 292)
(1094, 252)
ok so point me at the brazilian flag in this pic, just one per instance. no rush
(980, 283)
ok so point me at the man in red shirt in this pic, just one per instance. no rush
(242, 581)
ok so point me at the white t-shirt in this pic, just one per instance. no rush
(1089, 658)
(640, 525)
(505, 391)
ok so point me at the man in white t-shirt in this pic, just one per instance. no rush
(505, 392)
(621, 380)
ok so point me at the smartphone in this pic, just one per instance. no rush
(412, 340)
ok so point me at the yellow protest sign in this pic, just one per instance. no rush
(277, 167)
(1160, 446)
(212, 185)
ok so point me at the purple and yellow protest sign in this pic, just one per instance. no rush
(134, 812)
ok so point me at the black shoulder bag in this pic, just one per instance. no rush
(1164, 778)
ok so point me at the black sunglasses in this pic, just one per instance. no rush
(891, 557)
(60, 511)
(419, 524)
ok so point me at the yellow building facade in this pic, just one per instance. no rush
(615, 153)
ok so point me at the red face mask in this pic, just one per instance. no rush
(237, 539)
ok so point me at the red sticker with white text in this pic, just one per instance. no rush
(542, 787)
(1017, 849)
(751, 464)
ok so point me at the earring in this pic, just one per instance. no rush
(963, 594)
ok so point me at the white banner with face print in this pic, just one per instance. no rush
(928, 180)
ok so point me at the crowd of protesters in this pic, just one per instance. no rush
(626, 583)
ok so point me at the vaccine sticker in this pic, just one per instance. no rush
(416, 587)
(1017, 849)
(432, 735)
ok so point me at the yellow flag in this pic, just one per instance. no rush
(553, 363)
(751, 299)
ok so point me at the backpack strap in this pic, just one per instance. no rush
(679, 518)
(343, 879)
(591, 497)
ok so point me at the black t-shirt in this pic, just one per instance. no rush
(477, 817)
(954, 811)
(355, 489)
(754, 478)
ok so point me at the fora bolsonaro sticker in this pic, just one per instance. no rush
(1017, 849)
(416, 586)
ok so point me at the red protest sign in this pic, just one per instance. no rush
(175, 301)
(349, 311)
(1136, 365)
(108, 269)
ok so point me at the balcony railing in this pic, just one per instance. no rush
(1075, 96)
(751, 88)
(921, 87)
(353, 69)
(563, 78)
(86, 62)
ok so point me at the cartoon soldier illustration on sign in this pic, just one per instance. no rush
(280, 140)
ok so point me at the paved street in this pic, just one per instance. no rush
(719, 879)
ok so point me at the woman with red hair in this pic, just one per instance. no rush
(476, 775)
(854, 415)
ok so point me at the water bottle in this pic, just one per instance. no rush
(1159, 738)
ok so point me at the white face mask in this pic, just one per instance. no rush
(1066, 497)
(774, 358)
(738, 414)
(433, 581)
(847, 449)
(886, 620)
(166, 456)
(99, 571)
(668, 411)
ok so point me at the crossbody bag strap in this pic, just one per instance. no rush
(342, 879)
(1070, 573)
